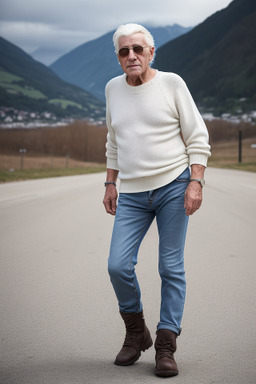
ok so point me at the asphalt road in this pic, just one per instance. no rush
(59, 317)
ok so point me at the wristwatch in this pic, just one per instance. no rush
(201, 181)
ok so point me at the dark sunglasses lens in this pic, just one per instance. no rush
(123, 52)
(138, 49)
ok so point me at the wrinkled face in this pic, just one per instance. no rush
(135, 64)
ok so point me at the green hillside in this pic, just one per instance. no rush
(217, 59)
(26, 84)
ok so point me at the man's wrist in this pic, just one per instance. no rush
(200, 181)
(109, 183)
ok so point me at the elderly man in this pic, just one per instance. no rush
(157, 145)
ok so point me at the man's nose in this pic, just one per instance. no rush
(132, 54)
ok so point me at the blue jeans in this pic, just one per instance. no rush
(134, 215)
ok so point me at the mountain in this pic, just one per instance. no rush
(217, 59)
(47, 56)
(26, 84)
(93, 64)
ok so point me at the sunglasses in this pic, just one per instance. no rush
(138, 49)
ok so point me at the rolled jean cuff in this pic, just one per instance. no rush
(172, 328)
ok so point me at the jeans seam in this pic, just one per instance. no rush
(152, 197)
(132, 253)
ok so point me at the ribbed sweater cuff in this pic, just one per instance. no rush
(112, 164)
(198, 159)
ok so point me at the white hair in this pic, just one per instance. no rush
(130, 29)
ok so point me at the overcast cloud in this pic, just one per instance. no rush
(62, 25)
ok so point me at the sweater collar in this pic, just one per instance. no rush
(142, 87)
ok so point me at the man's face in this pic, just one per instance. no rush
(135, 64)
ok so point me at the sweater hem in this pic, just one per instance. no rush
(150, 183)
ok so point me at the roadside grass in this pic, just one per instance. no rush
(80, 148)
(225, 155)
(32, 174)
(248, 167)
(14, 168)
(40, 173)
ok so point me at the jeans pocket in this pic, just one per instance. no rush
(184, 177)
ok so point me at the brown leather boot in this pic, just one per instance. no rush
(137, 338)
(165, 346)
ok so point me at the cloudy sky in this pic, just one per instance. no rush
(61, 25)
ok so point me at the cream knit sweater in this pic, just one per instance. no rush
(145, 124)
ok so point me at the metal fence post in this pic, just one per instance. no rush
(240, 147)
(22, 152)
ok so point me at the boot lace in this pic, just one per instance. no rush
(165, 348)
(131, 339)
(132, 334)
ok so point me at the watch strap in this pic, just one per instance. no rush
(201, 181)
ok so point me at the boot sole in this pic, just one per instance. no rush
(166, 373)
(146, 346)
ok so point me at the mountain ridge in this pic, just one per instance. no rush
(217, 58)
(91, 70)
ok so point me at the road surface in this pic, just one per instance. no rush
(59, 317)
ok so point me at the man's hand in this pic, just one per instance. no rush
(194, 193)
(193, 197)
(110, 199)
(111, 194)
